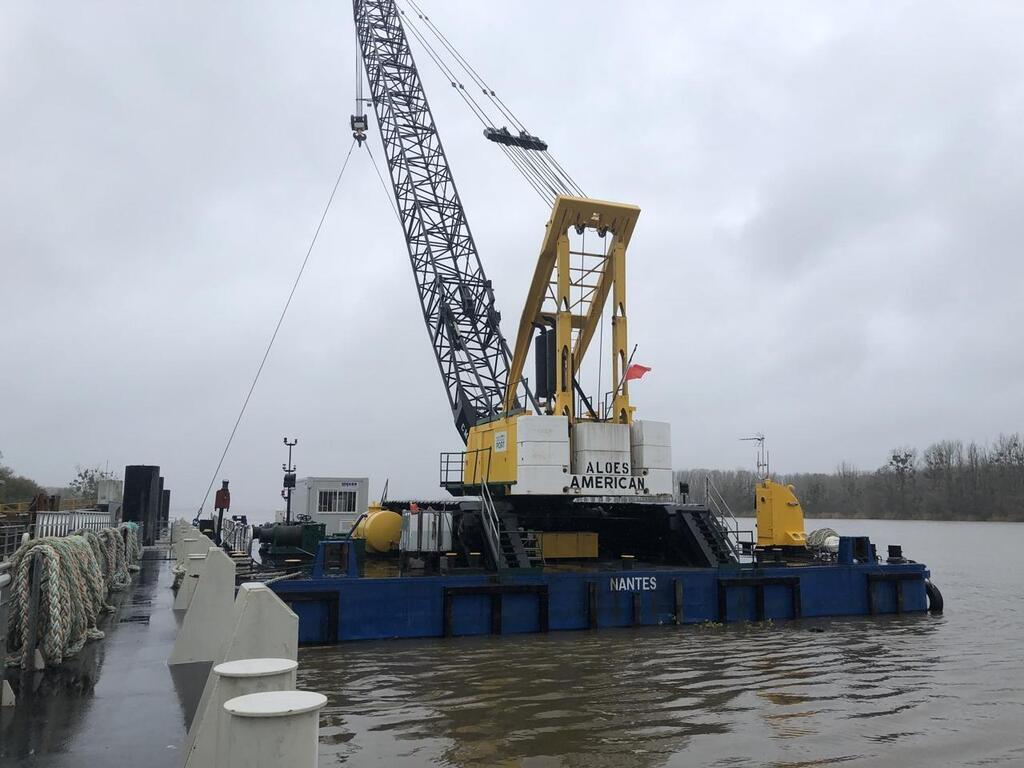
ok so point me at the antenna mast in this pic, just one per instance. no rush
(763, 456)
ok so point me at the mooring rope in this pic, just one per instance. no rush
(77, 573)
(816, 538)
(134, 553)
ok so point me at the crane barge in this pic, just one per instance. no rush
(563, 513)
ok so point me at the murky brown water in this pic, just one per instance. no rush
(914, 690)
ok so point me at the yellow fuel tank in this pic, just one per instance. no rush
(381, 528)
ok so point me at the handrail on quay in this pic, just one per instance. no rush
(10, 538)
(51, 523)
(6, 694)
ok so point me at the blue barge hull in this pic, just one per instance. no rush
(334, 609)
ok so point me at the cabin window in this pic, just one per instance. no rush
(336, 501)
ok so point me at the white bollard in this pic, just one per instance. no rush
(207, 621)
(263, 627)
(272, 730)
(230, 680)
(193, 571)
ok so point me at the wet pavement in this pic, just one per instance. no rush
(117, 702)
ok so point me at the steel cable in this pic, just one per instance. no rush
(277, 328)
(540, 169)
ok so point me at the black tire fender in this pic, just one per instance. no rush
(934, 597)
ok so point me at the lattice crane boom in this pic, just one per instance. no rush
(455, 296)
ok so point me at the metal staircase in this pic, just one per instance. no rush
(513, 547)
(740, 541)
(710, 536)
(508, 545)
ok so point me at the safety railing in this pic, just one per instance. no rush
(5, 596)
(237, 535)
(10, 538)
(453, 468)
(454, 464)
(532, 546)
(492, 525)
(61, 523)
(740, 540)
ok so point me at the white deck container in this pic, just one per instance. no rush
(335, 501)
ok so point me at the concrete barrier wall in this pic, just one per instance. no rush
(204, 630)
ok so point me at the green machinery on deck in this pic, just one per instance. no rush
(283, 544)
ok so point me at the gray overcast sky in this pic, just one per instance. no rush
(829, 250)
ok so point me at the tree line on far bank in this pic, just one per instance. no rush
(949, 480)
(18, 488)
(15, 487)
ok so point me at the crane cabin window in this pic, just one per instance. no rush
(336, 501)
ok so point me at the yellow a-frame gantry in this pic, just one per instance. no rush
(556, 278)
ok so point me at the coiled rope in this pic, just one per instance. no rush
(134, 553)
(816, 538)
(77, 573)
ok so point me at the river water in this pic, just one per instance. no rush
(892, 691)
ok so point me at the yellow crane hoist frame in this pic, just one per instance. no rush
(618, 220)
(491, 446)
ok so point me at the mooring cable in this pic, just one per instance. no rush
(277, 328)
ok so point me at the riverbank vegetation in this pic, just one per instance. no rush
(18, 488)
(15, 487)
(949, 480)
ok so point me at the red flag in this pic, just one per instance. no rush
(636, 371)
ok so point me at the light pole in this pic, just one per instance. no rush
(289, 480)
